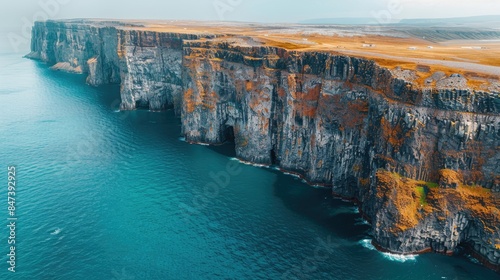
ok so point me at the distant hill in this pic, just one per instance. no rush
(346, 21)
(492, 21)
(477, 21)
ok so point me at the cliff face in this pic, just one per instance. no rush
(423, 161)
(79, 48)
(147, 64)
(150, 64)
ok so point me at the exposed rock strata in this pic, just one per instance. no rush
(345, 122)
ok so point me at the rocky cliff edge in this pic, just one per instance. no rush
(418, 148)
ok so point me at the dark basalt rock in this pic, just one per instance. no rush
(334, 119)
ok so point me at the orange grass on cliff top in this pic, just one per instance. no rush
(402, 193)
(390, 46)
(413, 48)
(394, 47)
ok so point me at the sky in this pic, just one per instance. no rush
(16, 17)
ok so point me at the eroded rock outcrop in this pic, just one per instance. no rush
(424, 161)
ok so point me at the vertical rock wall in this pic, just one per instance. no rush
(338, 121)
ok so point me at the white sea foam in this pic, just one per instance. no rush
(253, 164)
(56, 231)
(291, 174)
(183, 139)
(249, 163)
(367, 243)
(400, 258)
(361, 222)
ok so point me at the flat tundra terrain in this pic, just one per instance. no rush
(473, 52)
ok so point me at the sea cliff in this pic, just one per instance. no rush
(423, 160)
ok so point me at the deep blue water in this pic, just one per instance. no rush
(103, 194)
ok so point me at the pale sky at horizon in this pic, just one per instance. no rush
(16, 16)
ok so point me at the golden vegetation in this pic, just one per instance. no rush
(402, 194)
(248, 85)
(394, 134)
(450, 177)
(482, 203)
(189, 101)
(364, 182)
(281, 92)
(306, 103)
(414, 199)
(387, 51)
(475, 80)
(349, 114)
(209, 101)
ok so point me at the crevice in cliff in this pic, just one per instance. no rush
(141, 105)
(274, 158)
(229, 134)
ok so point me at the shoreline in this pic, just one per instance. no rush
(467, 248)
(373, 102)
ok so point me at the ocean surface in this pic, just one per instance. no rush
(104, 194)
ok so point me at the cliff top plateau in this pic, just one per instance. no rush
(474, 53)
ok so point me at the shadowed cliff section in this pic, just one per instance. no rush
(422, 159)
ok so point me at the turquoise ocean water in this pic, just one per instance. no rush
(104, 194)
